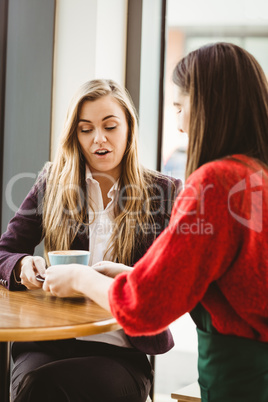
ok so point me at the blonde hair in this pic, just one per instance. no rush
(66, 201)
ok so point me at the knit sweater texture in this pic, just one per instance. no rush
(214, 251)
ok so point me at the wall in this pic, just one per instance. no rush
(149, 82)
(27, 98)
(90, 42)
(3, 53)
(209, 12)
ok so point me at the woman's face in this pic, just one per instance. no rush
(182, 104)
(102, 133)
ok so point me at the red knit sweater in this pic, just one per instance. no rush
(214, 251)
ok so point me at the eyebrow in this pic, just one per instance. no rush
(176, 104)
(105, 118)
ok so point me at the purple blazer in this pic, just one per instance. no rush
(25, 232)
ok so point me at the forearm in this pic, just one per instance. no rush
(17, 270)
(72, 279)
(16, 273)
(95, 286)
(23, 233)
(9, 266)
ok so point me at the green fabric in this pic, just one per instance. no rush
(231, 369)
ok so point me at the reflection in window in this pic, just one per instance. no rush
(245, 26)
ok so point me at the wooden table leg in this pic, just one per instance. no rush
(4, 371)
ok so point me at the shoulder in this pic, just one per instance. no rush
(226, 171)
(45, 171)
(32, 203)
(42, 177)
(160, 182)
(37, 192)
(221, 186)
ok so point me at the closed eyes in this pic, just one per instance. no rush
(89, 130)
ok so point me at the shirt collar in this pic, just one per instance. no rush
(90, 179)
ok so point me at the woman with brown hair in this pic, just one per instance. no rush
(212, 258)
(95, 196)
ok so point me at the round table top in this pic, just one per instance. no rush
(34, 315)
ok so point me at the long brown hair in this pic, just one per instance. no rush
(65, 207)
(228, 104)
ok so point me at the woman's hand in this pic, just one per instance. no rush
(61, 280)
(30, 267)
(74, 279)
(111, 269)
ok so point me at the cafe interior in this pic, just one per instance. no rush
(49, 48)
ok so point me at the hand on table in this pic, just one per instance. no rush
(61, 279)
(30, 267)
(111, 269)
(70, 280)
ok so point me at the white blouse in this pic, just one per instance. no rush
(100, 231)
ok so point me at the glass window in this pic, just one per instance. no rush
(246, 26)
(191, 24)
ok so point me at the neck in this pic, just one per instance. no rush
(106, 179)
(105, 185)
(105, 182)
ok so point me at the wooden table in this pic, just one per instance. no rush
(34, 315)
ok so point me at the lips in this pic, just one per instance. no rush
(101, 152)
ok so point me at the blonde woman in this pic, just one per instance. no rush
(95, 196)
(212, 259)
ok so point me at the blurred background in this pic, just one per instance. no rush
(48, 48)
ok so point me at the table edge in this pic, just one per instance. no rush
(58, 332)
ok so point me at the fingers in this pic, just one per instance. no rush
(60, 279)
(101, 268)
(104, 266)
(30, 267)
(109, 268)
(102, 263)
(40, 265)
(46, 286)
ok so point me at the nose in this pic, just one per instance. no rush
(99, 137)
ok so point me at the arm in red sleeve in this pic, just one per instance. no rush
(196, 249)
